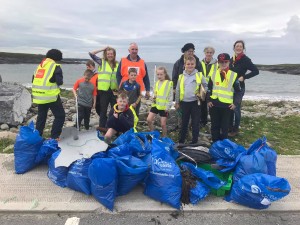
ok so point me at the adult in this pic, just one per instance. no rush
(45, 92)
(240, 63)
(106, 83)
(188, 50)
(223, 94)
(209, 66)
(133, 60)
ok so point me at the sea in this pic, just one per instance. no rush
(265, 86)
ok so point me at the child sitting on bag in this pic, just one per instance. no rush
(120, 118)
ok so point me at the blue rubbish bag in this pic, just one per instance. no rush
(258, 190)
(103, 175)
(164, 181)
(198, 193)
(131, 171)
(26, 148)
(77, 178)
(57, 175)
(205, 176)
(260, 158)
(140, 145)
(226, 153)
(170, 147)
(270, 156)
(47, 149)
(119, 151)
(124, 138)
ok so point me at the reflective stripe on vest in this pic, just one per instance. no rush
(135, 118)
(162, 94)
(107, 77)
(213, 69)
(181, 84)
(223, 90)
(43, 91)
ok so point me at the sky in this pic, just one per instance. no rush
(270, 28)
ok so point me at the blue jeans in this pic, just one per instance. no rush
(237, 115)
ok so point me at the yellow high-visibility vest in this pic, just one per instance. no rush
(162, 94)
(107, 77)
(181, 83)
(223, 90)
(43, 91)
(213, 69)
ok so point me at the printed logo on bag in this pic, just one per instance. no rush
(40, 73)
(161, 163)
(255, 189)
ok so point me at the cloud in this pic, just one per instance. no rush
(269, 27)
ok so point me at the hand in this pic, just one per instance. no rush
(133, 105)
(177, 106)
(241, 79)
(147, 95)
(210, 104)
(232, 106)
(116, 115)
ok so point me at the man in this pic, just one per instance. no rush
(209, 66)
(134, 61)
(45, 92)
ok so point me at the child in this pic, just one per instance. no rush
(120, 118)
(186, 97)
(163, 97)
(133, 90)
(224, 93)
(85, 91)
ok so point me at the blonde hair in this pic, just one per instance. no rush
(209, 47)
(167, 77)
(114, 62)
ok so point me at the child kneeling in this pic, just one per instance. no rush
(120, 118)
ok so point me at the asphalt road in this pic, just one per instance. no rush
(256, 218)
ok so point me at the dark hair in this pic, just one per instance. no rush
(88, 73)
(167, 77)
(132, 70)
(90, 63)
(239, 41)
(54, 54)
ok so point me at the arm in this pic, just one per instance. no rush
(177, 95)
(170, 97)
(238, 95)
(209, 92)
(75, 87)
(57, 76)
(97, 59)
(253, 69)
(118, 74)
(139, 94)
(175, 75)
(146, 80)
(204, 83)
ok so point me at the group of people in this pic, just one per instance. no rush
(210, 86)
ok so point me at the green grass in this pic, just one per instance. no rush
(5, 142)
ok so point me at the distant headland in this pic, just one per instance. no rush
(23, 58)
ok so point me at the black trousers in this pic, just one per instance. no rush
(104, 98)
(204, 113)
(59, 117)
(190, 110)
(84, 114)
(220, 119)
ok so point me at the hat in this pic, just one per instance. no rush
(223, 57)
(187, 46)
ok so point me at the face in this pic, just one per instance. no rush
(223, 64)
(190, 66)
(87, 78)
(133, 51)
(110, 55)
(90, 67)
(160, 75)
(132, 76)
(238, 48)
(208, 54)
(122, 102)
(189, 52)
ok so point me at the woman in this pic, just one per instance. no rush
(107, 82)
(240, 64)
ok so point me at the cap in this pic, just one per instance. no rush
(187, 46)
(223, 57)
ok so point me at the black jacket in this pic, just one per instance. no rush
(241, 67)
(123, 123)
(178, 69)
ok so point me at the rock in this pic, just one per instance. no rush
(15, 100)
(8, 148)
(8, 134)
(4, 127)
(72, 109)
(93, 122)
(14, 130)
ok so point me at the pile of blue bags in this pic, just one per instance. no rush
(145, 159)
